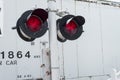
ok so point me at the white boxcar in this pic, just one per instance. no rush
(91, 57)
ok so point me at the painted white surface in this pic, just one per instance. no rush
(1, 17)
(114, 0)
(95, 53)
(25, 67)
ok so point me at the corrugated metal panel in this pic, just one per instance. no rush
(90, 44)
(110, 31)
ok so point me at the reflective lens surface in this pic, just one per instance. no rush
(71, 27)
(34, 23)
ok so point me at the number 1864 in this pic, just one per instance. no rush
(11, 54)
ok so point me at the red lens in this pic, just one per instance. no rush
(34, 23)
(71, 27)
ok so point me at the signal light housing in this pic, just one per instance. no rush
(32, 24)
(69, 27)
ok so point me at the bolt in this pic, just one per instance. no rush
(43, 65)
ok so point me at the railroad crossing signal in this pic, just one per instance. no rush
(69, 27)
(32, 24)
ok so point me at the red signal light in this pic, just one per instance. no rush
(34, 23)
(71, 27)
